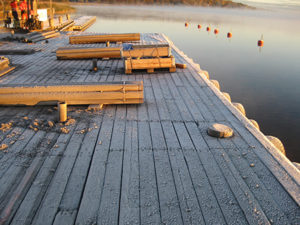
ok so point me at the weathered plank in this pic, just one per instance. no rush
(49, 207)
(130, 198)
(149, 198)
(91, 198)
(189, 204)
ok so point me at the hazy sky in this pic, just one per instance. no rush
(280, 2)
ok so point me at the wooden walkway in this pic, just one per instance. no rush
(137, 164)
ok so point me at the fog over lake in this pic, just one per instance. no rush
(266, 81)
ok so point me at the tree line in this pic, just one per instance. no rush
(217, 3)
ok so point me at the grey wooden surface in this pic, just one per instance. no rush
(137, 164)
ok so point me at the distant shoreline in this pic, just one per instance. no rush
(234, 6)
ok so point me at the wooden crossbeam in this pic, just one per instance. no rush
(127, 92)
(87, 39)
(88, 53)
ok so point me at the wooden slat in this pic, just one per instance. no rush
(109, 206)
(91, 197)
(52, 199)
(130, 200)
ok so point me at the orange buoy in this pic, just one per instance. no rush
(186, 24)
(260, 43)
(199, 26)
(229, 35)
(216, 31)
(207, 28)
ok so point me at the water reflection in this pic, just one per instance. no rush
(266, 82)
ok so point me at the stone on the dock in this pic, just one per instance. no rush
(240, 107)
(219, 130)
(216, 83)
(227, 96)
(254, 123)
(277, 143)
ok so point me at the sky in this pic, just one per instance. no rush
(277, 2)
(281, 5)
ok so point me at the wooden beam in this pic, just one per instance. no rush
(72, 87)
(88, 53)
(147, 52)
(87, 39)
(73, 94)
(153, 63)
(17, 51)
(45, 37)
(180, 65)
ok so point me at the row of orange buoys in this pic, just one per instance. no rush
(260, 43)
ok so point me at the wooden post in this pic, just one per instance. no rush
(60, 20)
(51, 22)
(95, 67)
(107, 44)
(62, 110)
(68, 17)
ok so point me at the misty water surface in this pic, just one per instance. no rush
(266, 82)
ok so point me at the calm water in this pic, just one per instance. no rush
(266, 81)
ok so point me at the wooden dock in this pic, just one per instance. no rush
(84, 22)
(152, 163)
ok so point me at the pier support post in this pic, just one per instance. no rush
(62, 110)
